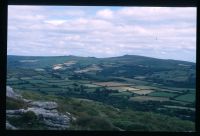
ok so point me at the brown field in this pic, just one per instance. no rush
(142, 91)
(131, 89)
(111, 84)
(123, 88)
(91, 85)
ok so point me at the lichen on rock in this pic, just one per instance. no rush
(46, 112)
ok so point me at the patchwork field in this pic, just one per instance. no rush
(162, 94)
(126, 83)
(123, 88)
(186, 98)
(179, 107)
(131, 89)
(91, 85)
(148, 98)
(111, 84)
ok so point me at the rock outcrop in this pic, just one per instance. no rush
(46, 112)
(9, 126)
(50, 118)
(44, 105)
(10, 93)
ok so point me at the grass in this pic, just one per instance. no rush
(186, 98)
(92, 115)
(134, 81)
(39, 77)
(148, 98)
(55, 80)
(116, 119)
(179, 89)
(123, 88)
(162, 94)
(61, 83)
(142, 92)
(25, 78)
(90, 90)
(121, 94)
(145, 87)
(13, 104)
(28, 121)
(91, 85)
(35, 81)
(12, 79)
(111, 84)
(50, 89)
(32, 95)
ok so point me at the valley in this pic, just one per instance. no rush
(131, 84)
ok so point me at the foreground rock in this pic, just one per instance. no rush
(50, 118)
(10, 93)
(44, 105)
(46, 112)
(9, 126)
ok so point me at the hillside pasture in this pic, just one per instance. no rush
(37, 81)
(39, 77)
(25, 78)
(91, 85)
(123, 88)
(179, 107)
(131, 89)
(12, 79)
(145, 87)
(55, 80)
(162, 94)
(148, 98)
(142, 92)
(121, 94)
(59, 83)
(186, 98)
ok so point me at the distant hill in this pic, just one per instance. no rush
(164, 71)
(131, 59)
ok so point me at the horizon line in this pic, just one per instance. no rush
(101, 57)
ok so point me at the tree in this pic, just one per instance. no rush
(29, 117)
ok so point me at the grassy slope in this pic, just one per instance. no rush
(89, 113)
(168, 72)
(93, 115)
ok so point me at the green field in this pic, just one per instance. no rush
(162, 94)
(125, 93)
(118, 93)
(91, 85)
(186, 98)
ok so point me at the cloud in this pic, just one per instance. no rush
(55, 22)
(105, 13)
(102, 31)
(158, 13)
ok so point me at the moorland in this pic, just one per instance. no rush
(127, 92)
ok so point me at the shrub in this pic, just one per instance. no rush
(27, 121)
(29, 117)
(12, 104)
(95, 123)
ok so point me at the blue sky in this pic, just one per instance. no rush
(167, 33)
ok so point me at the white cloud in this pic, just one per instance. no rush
(158, 13)
(103, 32)
(106, 13)
(55, 22)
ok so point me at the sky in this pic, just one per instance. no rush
(159, 32)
